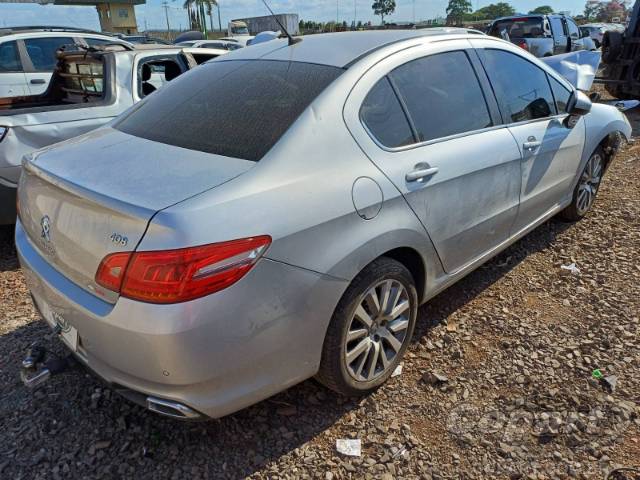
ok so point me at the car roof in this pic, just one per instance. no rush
(50, 32)
(339, 49)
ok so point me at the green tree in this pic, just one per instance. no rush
(456, 11)
(383, 8)
(543, 10)
(591, 10)
(495, 10)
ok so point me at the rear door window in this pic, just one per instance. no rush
(236, 108)
(521, 88)
(442, 95)
(9, 58)
(557, 27)
(526, 27)
(42, 51)
(382, 114)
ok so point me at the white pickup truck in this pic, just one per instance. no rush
(89, 87)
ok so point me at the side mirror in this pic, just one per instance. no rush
(579, 104)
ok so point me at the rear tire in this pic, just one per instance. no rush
(584, 195)
(370, 329)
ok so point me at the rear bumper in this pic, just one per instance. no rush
(7, 205)
(215, 355)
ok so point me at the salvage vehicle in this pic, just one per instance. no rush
(621, 56)
(542, 35)
(27, 55)
(281, 212)
(90, 87)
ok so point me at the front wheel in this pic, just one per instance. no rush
(370, 329)
(584, 195)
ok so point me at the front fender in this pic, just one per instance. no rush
(602, 121)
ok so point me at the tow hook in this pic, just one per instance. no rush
(35, 370)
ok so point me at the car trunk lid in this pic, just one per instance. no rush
(96, 194)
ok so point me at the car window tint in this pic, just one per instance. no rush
(382, 114)
(9, 58)
(573, 29)
(438, 106)
(561, 95)
(557, 27)
(521, 88)
(236, 108)
(42, 51)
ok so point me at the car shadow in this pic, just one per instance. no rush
(463, 291)
(8, 257)
(73, 411)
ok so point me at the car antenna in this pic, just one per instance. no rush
(292, 41)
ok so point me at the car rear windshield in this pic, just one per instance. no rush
(526, 27)
(235, 108)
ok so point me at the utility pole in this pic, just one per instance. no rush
(166, 14)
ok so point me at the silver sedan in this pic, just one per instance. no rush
(281, 212)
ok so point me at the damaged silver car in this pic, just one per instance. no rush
(281, 212)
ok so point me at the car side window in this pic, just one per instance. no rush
(521, 88)
(42, 51)
(573, 29)
(98, 42)
(383, 116)
(9, 58)
(442, 95)
(557, 27)
(561, 95)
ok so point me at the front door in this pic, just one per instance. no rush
(535, 114)
(426, 122)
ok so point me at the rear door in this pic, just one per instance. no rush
(560, 35)
(551, 152)
(423, 117)
(42, 60)
(13, 82)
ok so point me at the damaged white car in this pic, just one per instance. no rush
(89, 88)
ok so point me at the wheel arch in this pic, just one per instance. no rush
(413, 262)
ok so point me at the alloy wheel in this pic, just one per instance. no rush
(589, 184)
(377, 330)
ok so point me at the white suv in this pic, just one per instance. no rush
(27, 55)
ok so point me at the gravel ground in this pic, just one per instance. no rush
(497, 384)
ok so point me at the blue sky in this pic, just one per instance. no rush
(152, 14)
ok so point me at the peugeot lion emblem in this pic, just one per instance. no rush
(45, 223)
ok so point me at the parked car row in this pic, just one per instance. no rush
(282, 211)
(89, 87)
(543, 35)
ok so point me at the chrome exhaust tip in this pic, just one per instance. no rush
(172, 409)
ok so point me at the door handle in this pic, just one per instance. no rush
(531, 144)
(38, 81)
(420, 172)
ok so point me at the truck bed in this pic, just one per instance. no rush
(77, 79)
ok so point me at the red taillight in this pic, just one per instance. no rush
(174, 276)
(523, 45)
